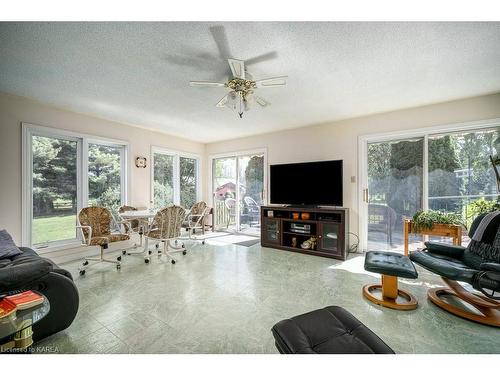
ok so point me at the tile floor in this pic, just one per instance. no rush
(224, 298)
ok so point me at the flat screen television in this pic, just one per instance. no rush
(311, 184)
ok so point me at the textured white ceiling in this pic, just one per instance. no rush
(138, 73)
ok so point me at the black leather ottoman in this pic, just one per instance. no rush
(391, 266)
(330, 330)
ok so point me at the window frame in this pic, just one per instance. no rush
(176, 172)
(28, 131)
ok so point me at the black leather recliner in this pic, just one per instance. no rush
(28, 271)
(456, 263)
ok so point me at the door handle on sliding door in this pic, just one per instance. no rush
(365, 195)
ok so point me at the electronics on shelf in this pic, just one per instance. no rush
(300, 228)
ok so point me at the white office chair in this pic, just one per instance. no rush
(166, 227)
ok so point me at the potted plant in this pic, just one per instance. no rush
(430, 219)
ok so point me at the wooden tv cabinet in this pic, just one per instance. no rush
(279, 225)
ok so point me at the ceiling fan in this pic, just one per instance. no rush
(242, 86)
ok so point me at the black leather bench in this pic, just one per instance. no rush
(330, 330)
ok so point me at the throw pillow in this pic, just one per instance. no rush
(7, 246)
(486, 239)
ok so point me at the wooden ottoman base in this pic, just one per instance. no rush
(390, 293)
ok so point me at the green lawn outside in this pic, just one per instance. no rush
(54, 228)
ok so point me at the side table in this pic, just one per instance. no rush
(16, 330)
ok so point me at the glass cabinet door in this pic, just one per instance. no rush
(271, 232)
(329, 236)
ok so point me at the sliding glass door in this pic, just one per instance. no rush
(395, 181)
(445, 171)
(238, 192)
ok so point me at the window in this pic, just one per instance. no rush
(163, 182)
(104, 175)
(54, 193)
(63, 172)
(175, 179)
(188, 181)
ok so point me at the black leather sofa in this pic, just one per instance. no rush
(29, 271)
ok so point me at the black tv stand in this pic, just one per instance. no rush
(286, 228)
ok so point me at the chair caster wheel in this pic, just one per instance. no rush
(183, 246)
(157, 245)
(82, 272)
(203, 242)
(159, 252)
(150, 252)
(118, 266)
(86, 263)
(119, 258)
(146, 261)
(184, 252)
(124, 252)
(173, 261)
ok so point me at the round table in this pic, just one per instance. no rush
(144, 217)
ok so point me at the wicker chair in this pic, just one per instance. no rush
(166, 226)
(95, 226)
(230, 204)
(195, 220)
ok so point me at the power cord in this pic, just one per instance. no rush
(354, 247)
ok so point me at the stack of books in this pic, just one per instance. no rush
(9, 304)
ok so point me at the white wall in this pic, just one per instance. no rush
(14, 110)
(339, 140)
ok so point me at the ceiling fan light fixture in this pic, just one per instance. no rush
(242, 86)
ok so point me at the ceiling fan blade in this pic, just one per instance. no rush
(262, 102)
(237, 67)
(206, 84)
(219, 34)
(271, 82)
(261, 58)
(222, 103)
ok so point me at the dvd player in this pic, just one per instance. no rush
(300, 228)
